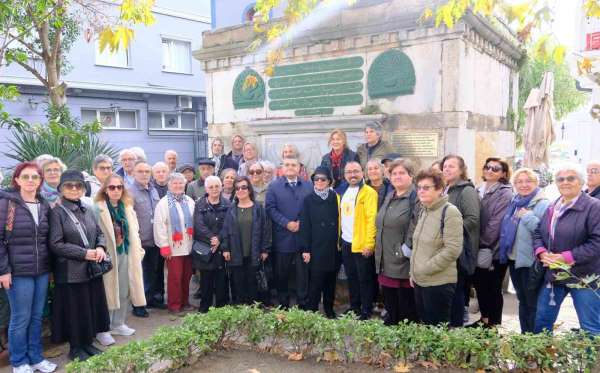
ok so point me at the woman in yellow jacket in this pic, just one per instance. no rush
(124, 284)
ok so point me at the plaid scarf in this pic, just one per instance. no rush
(176, 225)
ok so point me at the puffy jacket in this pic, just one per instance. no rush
(434, 253)
(283, 204)
(523, 246)
(25, 251)
(365, 211)
(380, 150)
(493, 207)
(144, 204)
(576, 236)
(66, 244)
(338, 174)
(464, 196)
(208, 222)
(261, 235)
(393, 229)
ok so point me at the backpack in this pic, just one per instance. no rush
(466, 262)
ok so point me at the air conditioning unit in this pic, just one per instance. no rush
(184, 102)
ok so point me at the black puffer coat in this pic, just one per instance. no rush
(261, 235)
(208, 222)
(25, 251)
(70, 266)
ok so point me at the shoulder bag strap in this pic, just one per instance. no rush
(10, 220)
(71, 216)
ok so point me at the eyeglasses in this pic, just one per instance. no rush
(52, 170)
(241, 187)
(593, 171)
(352, 172)
(75, 186)
(105, 168)
(562, 179)
(425, 188)
(492, 168)
(320, 178)
(255, 172)
(112, 188)
(34, 177)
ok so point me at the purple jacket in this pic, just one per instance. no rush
(576, 236)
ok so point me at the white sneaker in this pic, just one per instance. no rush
(123, 330)
(25, 368)
(44, 366)
(105, 339)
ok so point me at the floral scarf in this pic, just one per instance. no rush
(120, 226)
(322, 193)
(178, 229)
(49, 193)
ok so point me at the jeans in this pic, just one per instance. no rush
(27, 298)
(434, 303)
(360, 272)
(527, 299)
(587, 306)
(285, 263)
(488, 284)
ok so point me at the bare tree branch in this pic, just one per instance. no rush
(35, 73)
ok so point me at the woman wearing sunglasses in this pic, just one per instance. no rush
(496, 193)
(25, 266)
(79, 310)
(246, 241)
(569, 233)
(255, 173)
(124, 284)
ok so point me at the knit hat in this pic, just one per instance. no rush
(71, 176)
(322, 171)
(206, 161)
(185, 167)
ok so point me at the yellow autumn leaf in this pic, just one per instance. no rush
(558, 54)
(592, 8)
(121, 38)
(427, 13)
(402, 367)
(584, 66)
(105, 38)
(249, 82)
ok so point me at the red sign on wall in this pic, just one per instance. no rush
(592, 41)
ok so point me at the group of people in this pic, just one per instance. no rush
(416, 240)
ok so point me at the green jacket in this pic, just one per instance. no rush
(433, 260)
(464, 196)
(381, 150)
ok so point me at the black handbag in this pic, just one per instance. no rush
(537, 276)
(261, 279)
(202, 251)
(95, 269)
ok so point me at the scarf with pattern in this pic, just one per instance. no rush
(120, 226)
(177, 227)
(49, 193)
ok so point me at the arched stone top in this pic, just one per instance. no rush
(249, 97)
(391, 74)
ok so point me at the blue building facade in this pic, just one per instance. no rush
(150, 95)
(225, 13)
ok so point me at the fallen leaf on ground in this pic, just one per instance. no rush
(331, 356)
(295, 356)
(402, 367)
(428, 364)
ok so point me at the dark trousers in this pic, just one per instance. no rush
(399, 304)
(458, 302)
(244, 287)
(322, 282)
(488, 285)
(153, 271)
(360, 272)
(434, 303)
(527, 298)
(283, 267)
(212, 284)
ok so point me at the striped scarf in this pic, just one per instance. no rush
(177, 227)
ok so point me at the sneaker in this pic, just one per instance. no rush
(25, 368)
(44, 366)
(123, 330)
(105, 339)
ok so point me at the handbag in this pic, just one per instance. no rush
(94, 269)
(202, 251)
(261, 278)
(537, 276)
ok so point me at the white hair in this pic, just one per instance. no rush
(170, 151)
(176, 176)
(291, 146)
(46, 161)
(267, 165)
(139, 153)
(126, 151)
(570, 167)
(212, 179)
(160, 164)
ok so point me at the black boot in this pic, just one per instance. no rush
(77, 353)
(91, 350)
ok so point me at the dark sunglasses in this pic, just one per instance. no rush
(255, 172)
(320, 178)
(112, 188)
(562, 179)
(76, 186)
(241, 187)
(492, 168)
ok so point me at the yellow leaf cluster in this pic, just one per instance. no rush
(137, 11)
(402, 367)
(115, 38)
(592, 8)
(584, 66)
(250, 82)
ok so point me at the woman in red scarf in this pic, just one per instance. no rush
(339, 155)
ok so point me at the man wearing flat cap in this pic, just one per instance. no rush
(195, 189)
(375, 147)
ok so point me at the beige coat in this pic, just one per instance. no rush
(163, 231)
(135, 256)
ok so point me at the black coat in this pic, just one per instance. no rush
(25, 251)
(208, 222)
(229, 162)
(319, 231)
(261, 235)
(66, 244)
(338, 175)
(382, 192)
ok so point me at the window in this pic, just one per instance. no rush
(171, 120)
(120, 58)
(177, 56)
(117, 119)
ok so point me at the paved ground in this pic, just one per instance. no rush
(245, 361)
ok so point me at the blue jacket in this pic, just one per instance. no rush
(284, 204)
(523, 245)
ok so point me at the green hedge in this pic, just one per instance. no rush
(309, 335)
